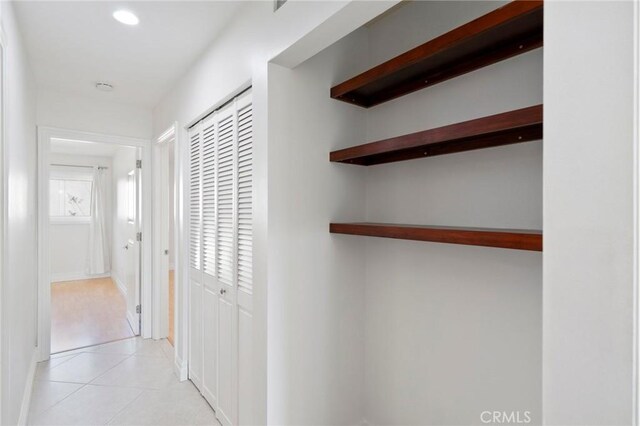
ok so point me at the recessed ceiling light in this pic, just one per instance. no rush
(126, 17)
(105, 87)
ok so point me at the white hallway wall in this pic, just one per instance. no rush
(240, 55)
(588, 213)
(69, 111)
(576, 273)
(19, 281)
(69, 241)
(320, 293)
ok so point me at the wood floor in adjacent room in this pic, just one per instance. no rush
(87, 312)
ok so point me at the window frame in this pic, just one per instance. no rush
(63, 174)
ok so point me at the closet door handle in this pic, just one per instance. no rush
(126, 247)
(223, 291)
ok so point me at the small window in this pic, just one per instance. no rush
(70, 198)
(131, 196)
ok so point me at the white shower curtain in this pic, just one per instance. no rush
(98, 253)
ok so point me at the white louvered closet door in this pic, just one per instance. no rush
(195, 256)
(210, 290)
(244, 259)
(224, 164)
(227, 138)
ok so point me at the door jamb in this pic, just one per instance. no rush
(636, 216)
(45, 134)
(4, 198)
(160, 229)
(172, 134)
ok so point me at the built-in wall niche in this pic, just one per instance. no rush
(508, 31)
(400, 330)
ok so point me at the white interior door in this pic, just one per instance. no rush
(133, 250)
(226, 235)
(164, 249)
(243, 266)
(221, 220)
(210, 288)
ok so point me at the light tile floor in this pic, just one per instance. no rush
(129, 382)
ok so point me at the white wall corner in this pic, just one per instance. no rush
(28, 389)
(353, 15)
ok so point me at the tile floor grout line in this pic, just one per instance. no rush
(82, 385)
(99, 375)
(106, 371)
(123, 386)
(160, 354)
(99, 384)
(57, 356)
(123, 408)
(126, 358)
(50, 408)
(82, 348)
(63, 381)
(63, 362)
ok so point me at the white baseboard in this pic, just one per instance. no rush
(120, 285)
(28, 389)
(180, 368)
(74, 276)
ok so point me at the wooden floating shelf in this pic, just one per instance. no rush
(522, 125)
(505, 32)
(501, 238)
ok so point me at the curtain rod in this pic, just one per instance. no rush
(76, 165)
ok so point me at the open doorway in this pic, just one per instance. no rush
(165, 210)
(94, 271)
(171, 237)
(94, 213)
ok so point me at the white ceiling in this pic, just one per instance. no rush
(73, 44)
(94, 149)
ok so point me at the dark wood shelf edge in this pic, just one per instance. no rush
(512, 127)
(519, 22)
(530, 240)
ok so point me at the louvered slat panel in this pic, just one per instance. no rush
(209, 158)
(195, 158)
(225, 196)
(245, 195)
